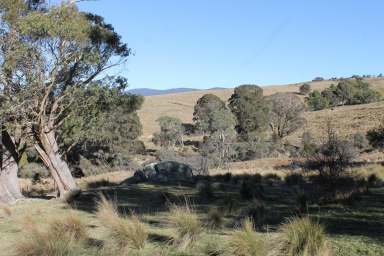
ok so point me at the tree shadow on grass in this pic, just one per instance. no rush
(364, 218)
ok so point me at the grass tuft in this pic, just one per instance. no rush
(247, 242)
(302, 237)
(186, 223)
(125, 232)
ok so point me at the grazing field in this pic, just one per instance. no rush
(352, 228)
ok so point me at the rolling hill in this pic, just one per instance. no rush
(346, 118)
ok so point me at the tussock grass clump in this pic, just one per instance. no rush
(65, 236)
(186, 222)
(302, 237)
(125, 232)
(215, 218)
(247, 242)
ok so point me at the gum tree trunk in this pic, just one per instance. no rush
(49, 153)
(9, 185)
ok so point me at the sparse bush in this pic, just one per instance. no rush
(309, 146)
(333, 157)
(186, 223)
(125, 232)
(360, 141)
(247, 242)
(301, 237)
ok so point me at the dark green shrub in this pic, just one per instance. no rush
(316, 101)
(376, 137)
(294, 179)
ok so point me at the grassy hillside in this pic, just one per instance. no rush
(357, 118)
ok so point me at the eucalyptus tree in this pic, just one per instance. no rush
(212, 116)
(47, 56)
(248, 105)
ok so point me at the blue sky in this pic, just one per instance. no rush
(211, 43)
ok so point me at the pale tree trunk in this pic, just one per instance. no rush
(9, 186)
(49, 153)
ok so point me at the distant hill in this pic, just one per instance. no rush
(153, 92)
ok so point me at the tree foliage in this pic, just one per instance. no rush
(248, 105)
(106, 119)
(171, 132)
(47, 56)
(204, 112)
(346, 92)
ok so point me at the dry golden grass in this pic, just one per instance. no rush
(125, 232)
(61, 236)
(247, 242)
(186, 223)
(302, 237)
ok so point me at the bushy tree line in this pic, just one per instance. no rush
(346, 92)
